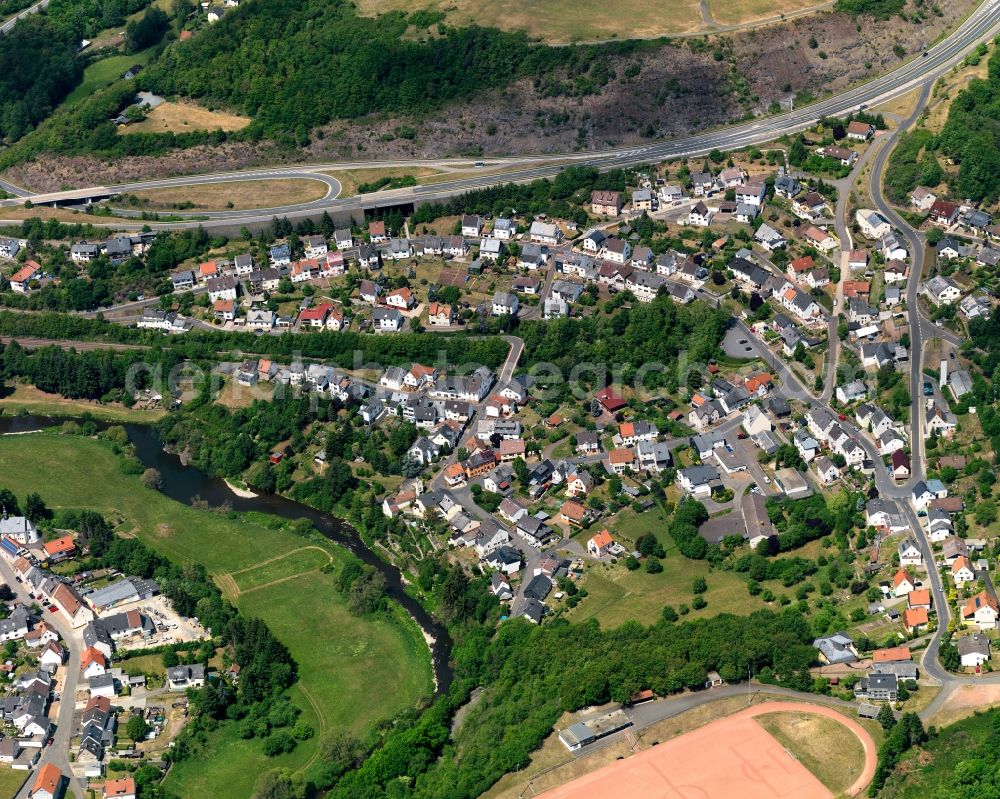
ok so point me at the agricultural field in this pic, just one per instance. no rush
(358, 655)
(184, 117)
(561, 21)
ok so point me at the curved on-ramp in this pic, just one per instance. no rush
(333, 190)
(724, 758)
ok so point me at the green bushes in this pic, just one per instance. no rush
(913, 163)
(880, 9)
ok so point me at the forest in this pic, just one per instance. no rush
(534, 674)
(669, 340)
(972, 139)
(39, 66)
(261, 59)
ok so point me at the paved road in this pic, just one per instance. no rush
(58, 752)
(980, 26)
(8, 26)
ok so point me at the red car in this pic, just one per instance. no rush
(52, 608)
(842, 418)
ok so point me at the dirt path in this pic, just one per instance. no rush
(281, 557)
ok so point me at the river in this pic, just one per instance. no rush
(184, 483)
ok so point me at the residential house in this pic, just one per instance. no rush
(545, 233)
(877, 687)
(922, 198)
(909, 553)
(836, 648)
(873, 225)
(601, 544)
(387, 320)
(505, 304)
(844, 155)
(973, 650)
(698, 480)
(943, 212)
(860, 131)
(180, 678)
(915, 620)
(700, 215)
(981, 611)
(962, 572)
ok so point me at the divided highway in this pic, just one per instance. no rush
(921, 70)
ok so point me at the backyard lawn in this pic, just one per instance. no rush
(11, 782)
(617, 595)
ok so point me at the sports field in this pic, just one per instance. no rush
(734, 756)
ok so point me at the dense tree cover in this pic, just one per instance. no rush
(226, 442)
(913, 163)
(800, 521)
(880, 9)
(907, 733)
(95, 374)
(84, 18)
(964, 761)
(38, 68)
(338, 349)
(87, 128)
(688, 517)
(532, 675)
(146, 31)
(671, 341)
(263, 60)
(972, 139)
(559, 197)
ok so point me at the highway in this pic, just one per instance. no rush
(919, 71)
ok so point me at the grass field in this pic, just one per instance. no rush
(296, 562)
(617, 595)
(38, 402)
(350, 179)
(824, 746)
(179, 117)
(105, 72)
(11, 781)
(561, 21)
(243, 194)
(742, 12)
(231, 766)
(345, 662)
